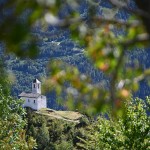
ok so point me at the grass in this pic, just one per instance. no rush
(65, 115)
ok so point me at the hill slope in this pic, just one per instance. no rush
(55, 130)
(55, 43)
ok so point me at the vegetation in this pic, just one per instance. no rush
(130, 132)
(65, 115)
(52, 133)
(108, 43)
(12, 122)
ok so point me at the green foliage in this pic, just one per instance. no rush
(55, 134)
(105, 48)
(64, 145)
(131, 131)
(128, 131)
(12, 133)
(12, 124)
(18, 33)
(43, 136)
(78, 89)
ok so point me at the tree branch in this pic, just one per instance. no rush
(140, 38)
(137, 79)
(136, 11)
(115, 76)
(100, 20)
(97, 20)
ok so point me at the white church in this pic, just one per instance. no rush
(34, 99)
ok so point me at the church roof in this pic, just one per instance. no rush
(36, 81)
(30, 95)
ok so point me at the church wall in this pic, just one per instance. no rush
(42, 102)
(30, 102)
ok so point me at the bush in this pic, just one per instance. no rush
(130, 132)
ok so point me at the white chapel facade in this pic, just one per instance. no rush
(34, 99)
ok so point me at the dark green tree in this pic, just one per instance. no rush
(43, 137)
(12, 124)
(132, 131)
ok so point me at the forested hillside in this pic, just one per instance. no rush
(56, 43)
(92, 58)
(58, 46)
(52, 133)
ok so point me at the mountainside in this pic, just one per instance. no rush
(54, 133)
(55, 130)
(55, 43)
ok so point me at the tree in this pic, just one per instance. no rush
(132, 131)
(12, 122)
(104, 48)
(12, 133)
(43, 137)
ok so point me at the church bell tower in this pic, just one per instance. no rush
(36, 86)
